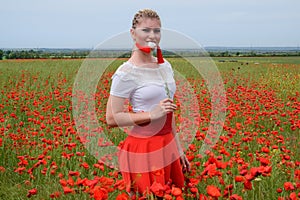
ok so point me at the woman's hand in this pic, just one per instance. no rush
(165, 106)
(186, 167)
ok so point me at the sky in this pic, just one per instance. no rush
(86, 23)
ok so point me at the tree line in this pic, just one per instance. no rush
(40, 54)
(59, 54)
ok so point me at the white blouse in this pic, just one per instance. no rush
(144, 87)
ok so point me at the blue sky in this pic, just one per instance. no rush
(86, 23)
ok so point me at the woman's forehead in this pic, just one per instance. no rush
(149, 22)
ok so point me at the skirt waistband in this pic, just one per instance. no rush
(159, 127)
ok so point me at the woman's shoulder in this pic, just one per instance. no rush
(125, 68)
(124, 71)
(167, 64)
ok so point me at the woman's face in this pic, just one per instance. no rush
(148, 30)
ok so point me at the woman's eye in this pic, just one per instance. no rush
(147, 30)
(156, 30)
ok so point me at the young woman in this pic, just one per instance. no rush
(151, 154)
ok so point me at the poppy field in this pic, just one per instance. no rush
(257, 155)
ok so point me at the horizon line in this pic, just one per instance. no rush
(209, 46)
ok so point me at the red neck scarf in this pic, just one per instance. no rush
(147, 49)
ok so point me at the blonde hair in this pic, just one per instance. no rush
(144, 13)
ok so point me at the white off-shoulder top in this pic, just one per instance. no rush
(144, 87)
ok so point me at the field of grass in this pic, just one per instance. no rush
(256, 157)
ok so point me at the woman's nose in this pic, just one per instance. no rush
(151, 34)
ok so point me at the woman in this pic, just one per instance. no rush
(151, 154)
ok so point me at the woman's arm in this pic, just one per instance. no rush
(183, 159)
(116, 116)
(176, 136)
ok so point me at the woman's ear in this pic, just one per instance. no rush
(132, 33)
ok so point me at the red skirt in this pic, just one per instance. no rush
(147, 160)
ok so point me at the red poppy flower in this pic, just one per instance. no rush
(67, 190)
(235, 197)
(168, 197)
(248, 185)
(122, 196)
(32, 192)
(279, 190)
(55, 195)
(293, 196)
(288, 186)
(213, 191)
(74, 173)
(157, 189)
(239, 178)
(100, 193)
(194, 190)
(176, 191)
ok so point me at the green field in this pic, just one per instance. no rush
(256, 157)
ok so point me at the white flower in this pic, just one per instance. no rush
(152, 45)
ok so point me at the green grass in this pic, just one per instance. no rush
(39, 92)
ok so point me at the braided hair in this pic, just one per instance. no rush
(144, 13)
